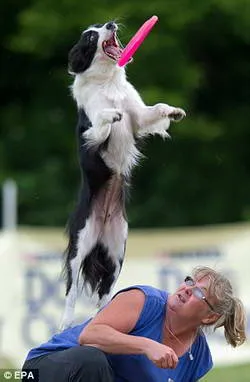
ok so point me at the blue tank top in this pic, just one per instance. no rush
(133, 367)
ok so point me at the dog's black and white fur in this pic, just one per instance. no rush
(112, 117)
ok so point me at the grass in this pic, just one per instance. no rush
(239, 373)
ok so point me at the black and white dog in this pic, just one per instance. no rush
(112, 117)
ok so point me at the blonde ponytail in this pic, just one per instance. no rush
(231, 311)
(234, 323)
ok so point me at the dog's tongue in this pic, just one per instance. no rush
(115, 51)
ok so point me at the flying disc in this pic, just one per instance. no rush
(137, 40)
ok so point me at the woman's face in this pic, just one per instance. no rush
(192, 299)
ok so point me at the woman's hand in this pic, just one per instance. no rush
(161, 355)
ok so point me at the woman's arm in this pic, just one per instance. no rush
(110, 327)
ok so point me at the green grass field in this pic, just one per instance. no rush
(239, 373)
(226, 374)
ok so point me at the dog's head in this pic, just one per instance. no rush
(98, 43)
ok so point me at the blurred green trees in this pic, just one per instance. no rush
(196, 57)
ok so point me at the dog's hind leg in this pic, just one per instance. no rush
(87, 239)
(108, 280)
(114, 240)
(68, 316)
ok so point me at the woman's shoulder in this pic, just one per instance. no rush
(149, 291)
(154, 305)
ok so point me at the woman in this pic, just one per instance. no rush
(145, 334)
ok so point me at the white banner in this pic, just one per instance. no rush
(32, 291)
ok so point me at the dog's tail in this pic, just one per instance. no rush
(98, 271)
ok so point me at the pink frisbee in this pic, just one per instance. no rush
(137, 40)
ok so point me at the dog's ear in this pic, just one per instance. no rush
(82, 54)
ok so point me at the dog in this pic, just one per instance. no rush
(112, 118)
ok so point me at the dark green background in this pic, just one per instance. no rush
(196, 57)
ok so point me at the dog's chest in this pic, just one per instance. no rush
(114, 92)
(120, 154)
(106, 95)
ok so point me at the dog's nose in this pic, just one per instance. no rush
(111, 26)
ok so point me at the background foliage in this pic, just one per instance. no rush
(197, 57)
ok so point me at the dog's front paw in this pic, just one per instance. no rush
(117, 117)
(163, 110)
(111, 115)
(173, 113)
(177, 114)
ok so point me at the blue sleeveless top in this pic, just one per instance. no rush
(133, 367)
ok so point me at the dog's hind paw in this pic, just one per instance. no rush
(177, 114)
(65, 325)
(67, 320)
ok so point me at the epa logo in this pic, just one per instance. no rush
(26, 375)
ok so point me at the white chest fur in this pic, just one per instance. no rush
(97, 96)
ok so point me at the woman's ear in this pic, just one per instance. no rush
(211, 318)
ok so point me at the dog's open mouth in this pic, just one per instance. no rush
(112, 48)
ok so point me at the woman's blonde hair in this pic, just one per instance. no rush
(229, 307)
